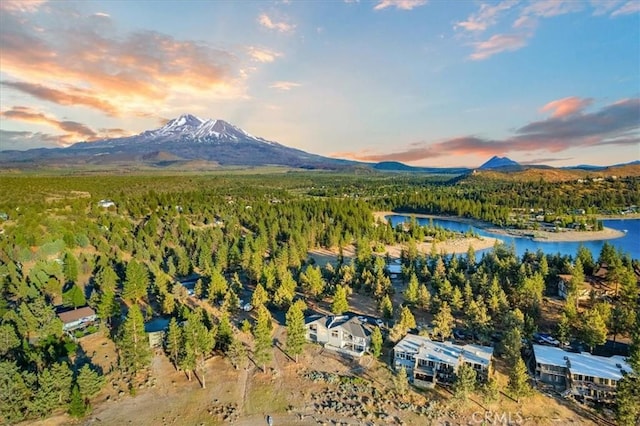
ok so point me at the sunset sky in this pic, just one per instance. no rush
(425, 82)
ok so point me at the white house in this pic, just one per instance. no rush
(582, 375)
(428, 362)
(563, 288)
(106, 204)
(78, 318)
(342, 333)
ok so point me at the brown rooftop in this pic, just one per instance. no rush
(76, 314)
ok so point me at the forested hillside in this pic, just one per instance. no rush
(123, 244)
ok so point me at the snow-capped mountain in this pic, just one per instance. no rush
(188, 127)
(182, 139)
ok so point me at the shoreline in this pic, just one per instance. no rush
(535, 235)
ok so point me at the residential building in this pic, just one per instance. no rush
(582, 375)
(77, 318)
(342, 333)
(428, 362)
(563, 288)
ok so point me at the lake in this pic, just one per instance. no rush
(629, 243)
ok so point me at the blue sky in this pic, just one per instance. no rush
(435, 83)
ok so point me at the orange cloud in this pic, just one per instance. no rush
(566, 106)
(260, 54)
(87, 63)
(74, 131)
(72, 96)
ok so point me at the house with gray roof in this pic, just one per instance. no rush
(341, 333)
(428, 361)
(582, 375)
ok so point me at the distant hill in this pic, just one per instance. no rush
(396, 166)
(550, 174)
(499, 163)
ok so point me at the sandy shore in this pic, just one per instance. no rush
(564, 236)
(452, 246)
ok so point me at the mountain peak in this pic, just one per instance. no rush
(499, 162)
(185, 120)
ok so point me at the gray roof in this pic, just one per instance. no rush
(582, 363)
(446, 352)
(350, 324)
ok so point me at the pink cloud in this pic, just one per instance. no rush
(486, 16)
(628, 8)
(399, 4)
(284, 85)
(283, 27)
(497, 44)
(615, 124)
(29, 6)
(566, 106)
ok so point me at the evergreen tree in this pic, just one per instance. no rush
(386, 307)
(200, 341)
(237, 353)
(443, 322)
(594, 328)
(411, 292)
(424, 297)
(133, 343)
(563, 329)
(89, 382)
(407, 320)
(8, 338)
(628, 400)
(312, 281)
(136, 282)
(628, 392)
(340, 303)
(260, 296)
(401, 382)
(295, 330)
(15, 392)
(465, 381)
(74, 297)
(53, 390)
(218, 285)
(173, 342)
(519, 380)
(187, 359)
(376, 342)
(262, 334)
(77, 406)
(225, 333)
(512, 345)
(490, 390)
(70, 267)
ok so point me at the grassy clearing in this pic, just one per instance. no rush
(265, 398)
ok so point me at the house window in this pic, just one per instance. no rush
(603, 381)
(400, 355)
(334, 334)
(431, 364)
(313, 327)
